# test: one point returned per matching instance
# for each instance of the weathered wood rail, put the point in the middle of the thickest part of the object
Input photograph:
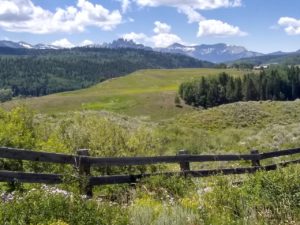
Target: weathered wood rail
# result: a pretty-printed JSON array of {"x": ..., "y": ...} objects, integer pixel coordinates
[{"x": 84, "y": 162}]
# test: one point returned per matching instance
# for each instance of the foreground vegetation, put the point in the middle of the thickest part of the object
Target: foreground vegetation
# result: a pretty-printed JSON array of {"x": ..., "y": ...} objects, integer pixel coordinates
[{"x": 264, "y": 198}]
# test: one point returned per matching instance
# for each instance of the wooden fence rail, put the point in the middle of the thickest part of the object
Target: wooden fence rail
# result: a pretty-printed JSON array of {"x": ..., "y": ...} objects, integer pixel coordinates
[{"x": 84, "y": 162}]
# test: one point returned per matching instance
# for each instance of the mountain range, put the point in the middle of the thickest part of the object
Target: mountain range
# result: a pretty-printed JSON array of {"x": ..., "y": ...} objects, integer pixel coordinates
[
  {"x": 22, "y": 44},
  {"x": 216, "y": 53}
]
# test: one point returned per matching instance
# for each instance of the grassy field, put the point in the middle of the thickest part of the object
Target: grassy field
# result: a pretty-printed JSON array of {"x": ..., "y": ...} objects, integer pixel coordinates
[{"x": 146, "y": 93}]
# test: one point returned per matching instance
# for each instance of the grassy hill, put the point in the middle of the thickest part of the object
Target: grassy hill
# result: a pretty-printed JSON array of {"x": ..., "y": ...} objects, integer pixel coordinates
[{"x": 147, "y": 93}]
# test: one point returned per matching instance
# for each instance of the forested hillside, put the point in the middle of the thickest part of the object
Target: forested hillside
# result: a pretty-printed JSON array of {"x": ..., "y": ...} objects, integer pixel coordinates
[{"x": 39, "y": 72}]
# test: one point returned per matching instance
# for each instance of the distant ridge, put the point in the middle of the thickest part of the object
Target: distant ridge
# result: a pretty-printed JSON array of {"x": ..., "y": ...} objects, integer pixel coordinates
[
  {"x": 24, "y": 45},
  {"x": 216, "y": 53},
  {"x": 292, "y": 58}
]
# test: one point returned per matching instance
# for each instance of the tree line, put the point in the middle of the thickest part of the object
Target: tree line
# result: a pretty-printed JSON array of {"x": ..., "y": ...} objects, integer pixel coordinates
[{"x": 270, "y": 84}]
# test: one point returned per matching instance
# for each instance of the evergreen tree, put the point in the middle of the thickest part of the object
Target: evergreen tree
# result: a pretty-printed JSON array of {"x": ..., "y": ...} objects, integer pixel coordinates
[
  {"x": 230, "y": 90},
  {"x": 5, "y": 95},
  {"x": 238, "y": 89}
]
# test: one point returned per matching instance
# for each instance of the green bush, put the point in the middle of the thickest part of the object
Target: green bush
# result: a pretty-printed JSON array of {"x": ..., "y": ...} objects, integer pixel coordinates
[
  {"x": 266, "y": 197},
  {"x": 40, "y": 207},
  {"x": 5, "y": 95}
]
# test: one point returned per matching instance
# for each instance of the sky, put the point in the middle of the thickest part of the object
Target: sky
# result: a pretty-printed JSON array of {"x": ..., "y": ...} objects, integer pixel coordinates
[{"x": 259, "y": 25}]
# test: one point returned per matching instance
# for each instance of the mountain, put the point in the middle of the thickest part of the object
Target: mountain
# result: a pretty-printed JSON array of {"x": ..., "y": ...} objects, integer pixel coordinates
[
  {"x": 123, "y": 43},
  {"x": 11, "y": 44},
  {"x": 278, "y": 53},
  {"x": 119, "y": 43},
  {"x": 214, "y": 53},
  {"x": 292, "y": 58},
  {"x": 45, "y": 46},
  {"x": 24, "y": 45}
]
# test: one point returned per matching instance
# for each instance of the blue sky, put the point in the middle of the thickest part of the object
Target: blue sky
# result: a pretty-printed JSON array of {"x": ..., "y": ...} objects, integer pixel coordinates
[{"x": 259, "y": 25}]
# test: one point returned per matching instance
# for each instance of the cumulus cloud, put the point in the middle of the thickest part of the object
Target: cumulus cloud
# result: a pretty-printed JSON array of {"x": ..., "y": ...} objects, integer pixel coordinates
[
  {"x": 136, "y": 37},
  {"x": 291, "y": 25},
  {"x": 25, "y": 16},
  {"x": 218, "y": 28},
  {"x": 190, "y": 7},
  {"x": 162, "y": 36},
  {"x": 161, "y": 27},
  {"x": 165, "y": 39},
  {"x": 63, "y": 43},
  {"x": 86, "y": 43}
]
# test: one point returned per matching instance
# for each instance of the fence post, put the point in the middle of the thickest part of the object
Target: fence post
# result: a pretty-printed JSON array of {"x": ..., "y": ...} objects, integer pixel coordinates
[
  {"x": 84, "y": 173},
  {"x": 255, "y": 162},
  {"x": 184, "y": 166}
]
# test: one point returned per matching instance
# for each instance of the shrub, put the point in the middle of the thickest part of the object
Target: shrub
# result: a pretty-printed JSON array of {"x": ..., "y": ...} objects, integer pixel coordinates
[
  {"x": 167, "y": 187},
  {"x": 5, "y": 95},
  {"x": 40, "y": 207}
]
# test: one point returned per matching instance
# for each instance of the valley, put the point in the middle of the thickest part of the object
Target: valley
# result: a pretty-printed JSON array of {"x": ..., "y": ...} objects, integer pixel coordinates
[{"x": 149, "y": 112}]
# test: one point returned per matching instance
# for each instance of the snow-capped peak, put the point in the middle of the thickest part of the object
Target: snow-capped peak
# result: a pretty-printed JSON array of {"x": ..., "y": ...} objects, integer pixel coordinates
[{"x": 25, "y": 45}]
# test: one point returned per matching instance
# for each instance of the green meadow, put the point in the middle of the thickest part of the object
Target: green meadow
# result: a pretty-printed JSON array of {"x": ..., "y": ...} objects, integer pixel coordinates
[{"x": 145, "y": 93}]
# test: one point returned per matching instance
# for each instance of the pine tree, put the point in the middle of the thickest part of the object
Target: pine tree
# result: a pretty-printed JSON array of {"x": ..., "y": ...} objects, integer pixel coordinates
[
  {"x": 250, "y": 92},
  {"x": 230, "y": 90},
  {"x": 238, "y": 89}
]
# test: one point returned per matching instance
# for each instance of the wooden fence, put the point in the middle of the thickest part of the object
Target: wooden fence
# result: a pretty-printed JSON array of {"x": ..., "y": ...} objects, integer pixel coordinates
[{"x": 84, "y": 162}]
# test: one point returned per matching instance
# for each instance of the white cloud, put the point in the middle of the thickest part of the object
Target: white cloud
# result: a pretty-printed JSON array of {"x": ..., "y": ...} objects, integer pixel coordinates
[
  {"x": 218, "y": 28},
  {"x": 63, "y": 43},
  {"x": 196, "y": 4},
  {"x": 86, "y": 43},
  {"x": 190, "y": 7},
  {"x": 24, "y": 16},
  {"x": 192, "y": 14},
  {"x": 161, "y": 27},
  {"x": 131, "y": 20},
  {"x": 162, "y": 37},
  {"x": 125, "y": 4},
  {"x": 165, "y": 39},
  {"x": 136, "y": 37},
  {"x": 291, "y": 25}
]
